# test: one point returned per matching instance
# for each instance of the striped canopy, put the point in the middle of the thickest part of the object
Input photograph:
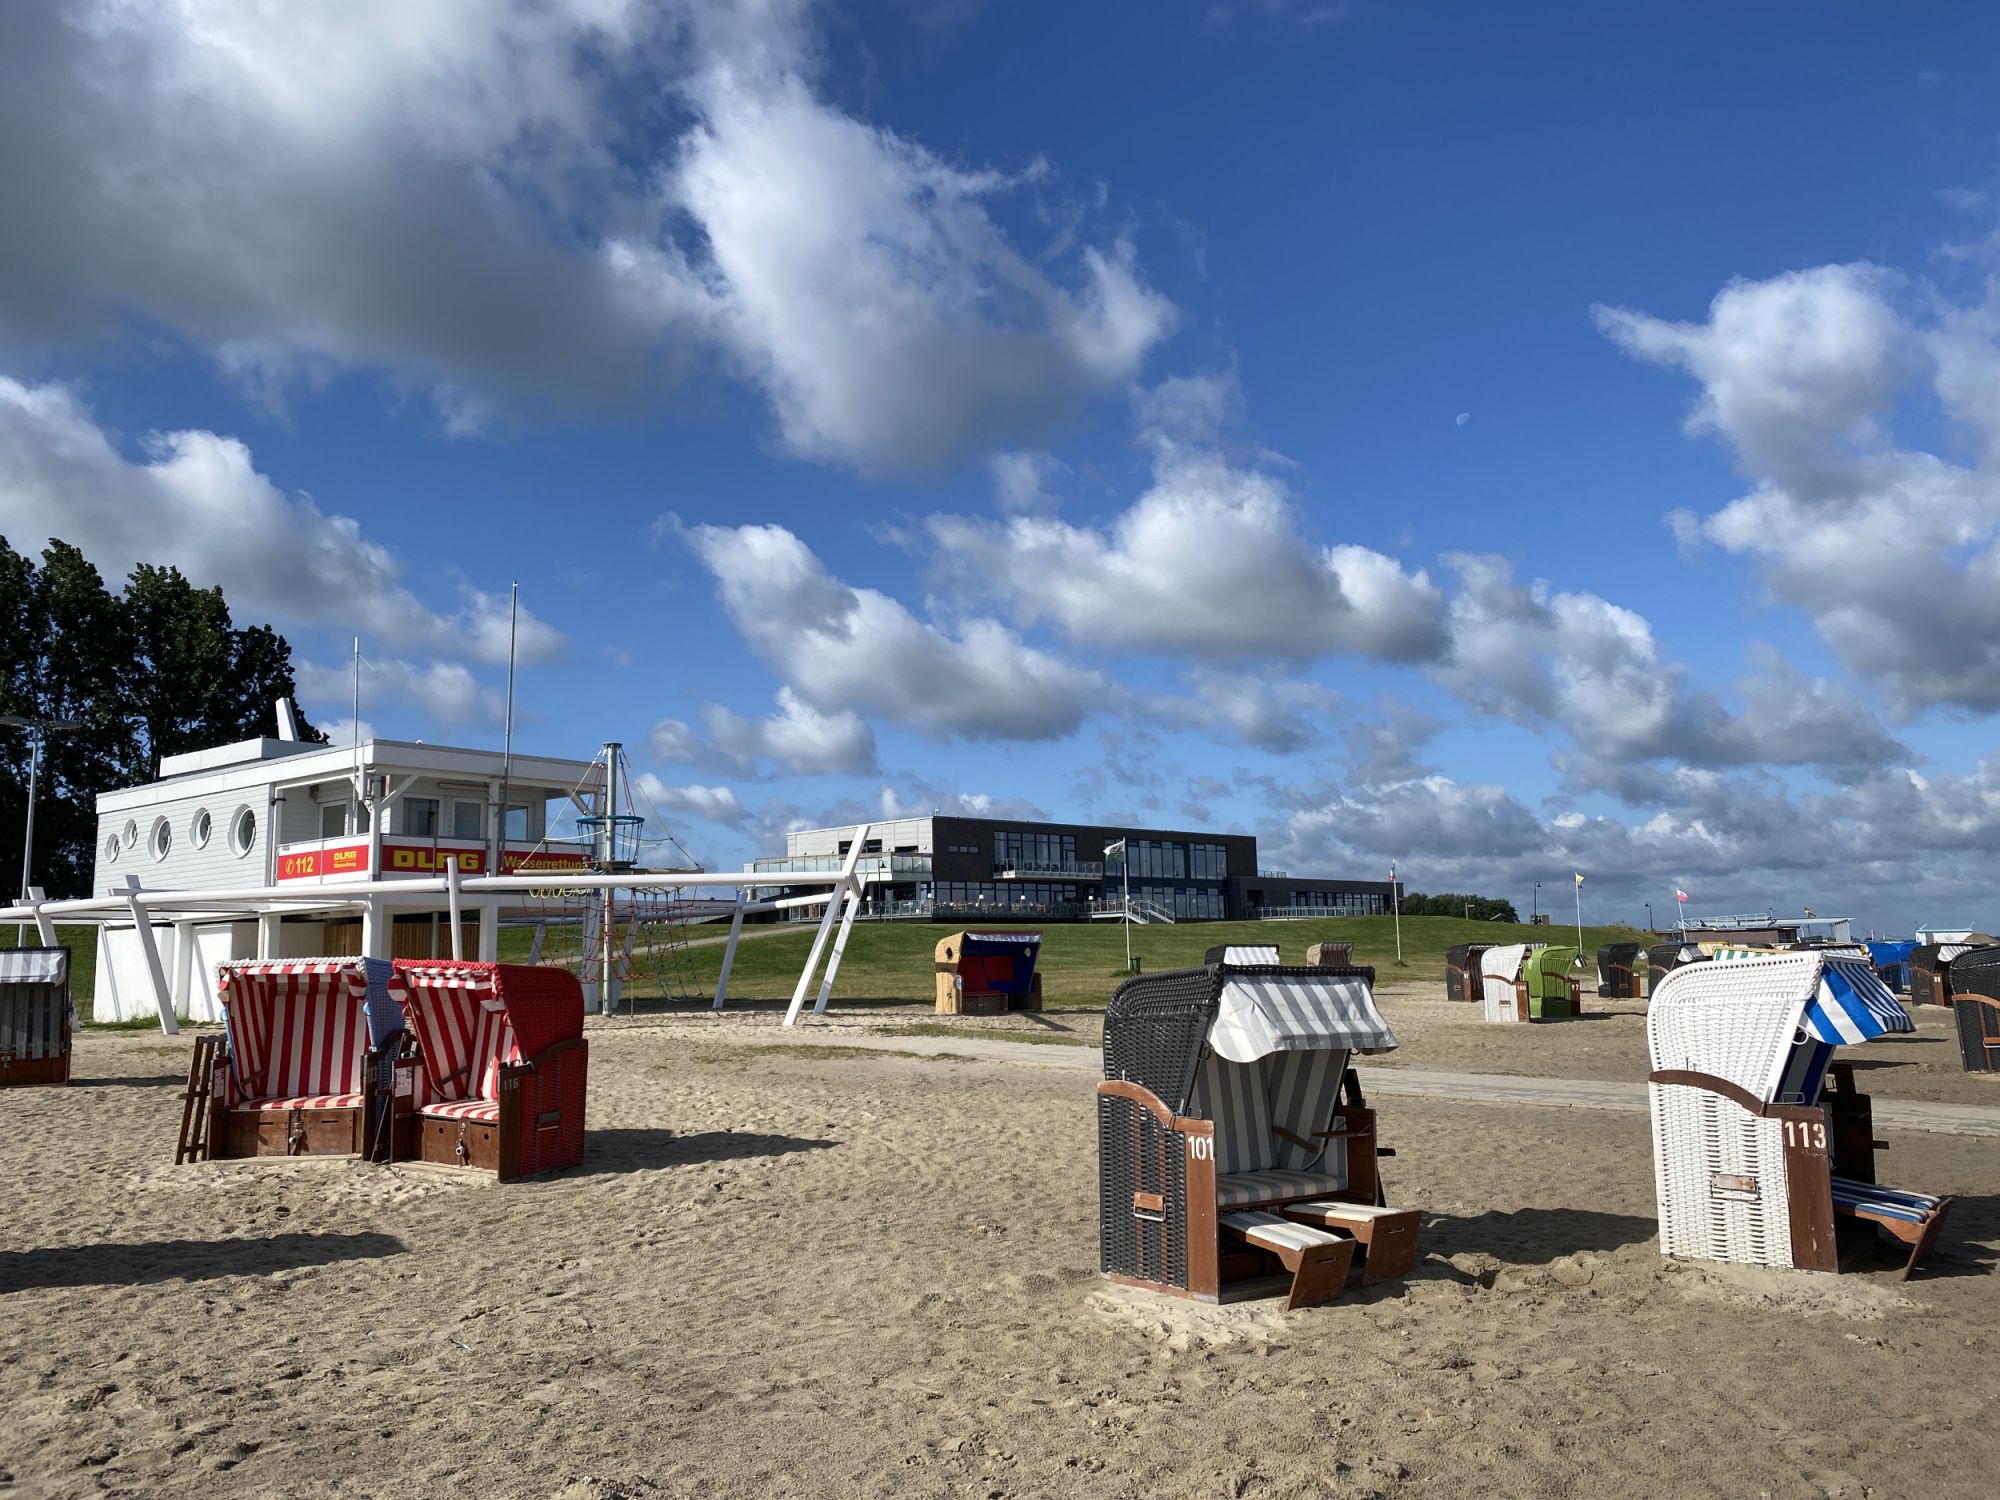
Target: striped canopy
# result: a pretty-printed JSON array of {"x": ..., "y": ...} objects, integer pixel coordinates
[
  {"x": 1852, "y": 1004},
  {"x": 1239, "y": 954},
  {"x": 1293, "y": 1010}
]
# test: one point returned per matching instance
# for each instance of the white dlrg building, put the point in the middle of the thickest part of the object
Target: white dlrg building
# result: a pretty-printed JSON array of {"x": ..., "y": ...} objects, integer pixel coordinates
[{"x": 308, "y": 819}]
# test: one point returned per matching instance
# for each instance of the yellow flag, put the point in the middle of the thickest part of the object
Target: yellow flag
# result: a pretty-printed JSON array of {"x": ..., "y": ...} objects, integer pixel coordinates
[{"x": 1579, "y": 878}]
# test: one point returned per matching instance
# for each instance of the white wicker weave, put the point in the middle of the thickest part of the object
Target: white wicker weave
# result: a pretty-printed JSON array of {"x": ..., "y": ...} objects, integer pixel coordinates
[
  {"x": 1737, "y": 1020},
  {"x": 1499, "y": 968}
]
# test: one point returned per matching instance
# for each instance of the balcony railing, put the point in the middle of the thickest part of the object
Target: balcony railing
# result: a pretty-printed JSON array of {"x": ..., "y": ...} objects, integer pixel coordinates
[
  {"x": 895, "y": 866},
  {"x": 1060, "y": 869}
]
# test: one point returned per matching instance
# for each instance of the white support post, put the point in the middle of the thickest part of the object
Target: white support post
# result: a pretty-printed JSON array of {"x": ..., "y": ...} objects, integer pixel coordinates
[
  {"x": 535, "y": 948},
  {"x": 729, "y": 950},
  {"x": 45, "y": 930},
  {"x": 162, "y": 997},
  {"x": 377, "y": 930},
  {"x": 269, "y": 927},
  {"x": 842, "y": 893},
  {"x": 489, "y": 933},
  {"x": 183, "y": 968},
  {"x": 839, "y": 948},
  {"x": 451, "y": 896}
]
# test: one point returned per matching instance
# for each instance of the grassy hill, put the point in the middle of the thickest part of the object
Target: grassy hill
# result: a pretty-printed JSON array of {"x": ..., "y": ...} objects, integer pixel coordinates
[{"x": 1081, "y": 965}]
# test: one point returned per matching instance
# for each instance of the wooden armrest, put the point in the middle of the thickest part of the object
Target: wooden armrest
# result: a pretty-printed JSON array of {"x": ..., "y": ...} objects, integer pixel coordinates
[
  {"x": 1385, "y": 1150},
  {"x": 1297, "y": 1140}
]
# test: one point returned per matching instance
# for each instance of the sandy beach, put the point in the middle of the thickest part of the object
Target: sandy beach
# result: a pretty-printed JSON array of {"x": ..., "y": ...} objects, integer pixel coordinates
[{"x": 795, "y": 1266}]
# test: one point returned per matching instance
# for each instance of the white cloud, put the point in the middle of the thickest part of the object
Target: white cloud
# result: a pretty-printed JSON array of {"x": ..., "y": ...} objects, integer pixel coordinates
[
  {"x": 798, "y": 738},
  {"x": 840, "y": 648},
  {"x": 1577, "y": 662},
  {"x": 860, "y": 281},
  {"x": 196, "y": 501},
  {"x": 1023, "y": 480},
  {"x": 463, "y": 194},
  {"x": 1281, "y": 715},
  {"x": 1893, "y": 552},
  {"x": 349, "y": 731},
  {"x": 445, "y": 691},
  {"x": 1208, "y": 561},
  {"x": 712, "y": 804}
]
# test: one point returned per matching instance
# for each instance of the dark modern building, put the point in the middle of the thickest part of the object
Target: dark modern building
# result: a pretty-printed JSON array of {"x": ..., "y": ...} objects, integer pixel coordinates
[{"x": 959, "y": 869}]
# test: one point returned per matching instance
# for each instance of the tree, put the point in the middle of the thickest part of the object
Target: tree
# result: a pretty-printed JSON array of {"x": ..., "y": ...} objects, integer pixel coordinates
[
  {"x": 149, "y": 673},
  {"x": 1453, "y": 904}
]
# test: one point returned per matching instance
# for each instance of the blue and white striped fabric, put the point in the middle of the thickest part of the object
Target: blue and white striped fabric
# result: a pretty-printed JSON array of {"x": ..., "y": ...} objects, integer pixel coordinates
[
  {"x": 1853, "y": 1005},
  {"x": 1891, "y": 1203}
]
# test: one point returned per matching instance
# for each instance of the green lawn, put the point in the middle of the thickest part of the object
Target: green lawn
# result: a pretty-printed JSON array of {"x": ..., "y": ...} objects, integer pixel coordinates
[
  {"x": 82, "y": 945},
  {"x": 1080, "y": 965}
]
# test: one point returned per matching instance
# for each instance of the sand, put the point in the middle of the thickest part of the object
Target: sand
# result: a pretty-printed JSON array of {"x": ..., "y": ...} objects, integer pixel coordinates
[{"x": 793, "y": 1267}]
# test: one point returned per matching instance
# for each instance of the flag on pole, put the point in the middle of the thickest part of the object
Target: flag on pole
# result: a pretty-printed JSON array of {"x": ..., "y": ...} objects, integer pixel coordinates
[
  {"x": 1117, "y": 849},
  {"x": 1680, "y": 896},
  {"x": 1579, "y": 877}
]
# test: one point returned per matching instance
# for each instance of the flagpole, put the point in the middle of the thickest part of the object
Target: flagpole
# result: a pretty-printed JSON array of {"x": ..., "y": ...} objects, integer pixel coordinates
[
  {"x": 1396, "y": 905},
  {"x": 1579, "y": 919}
]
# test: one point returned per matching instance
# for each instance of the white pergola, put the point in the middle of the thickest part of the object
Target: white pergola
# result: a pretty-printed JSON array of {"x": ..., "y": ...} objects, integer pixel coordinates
[{"x": 375, "y": 900}]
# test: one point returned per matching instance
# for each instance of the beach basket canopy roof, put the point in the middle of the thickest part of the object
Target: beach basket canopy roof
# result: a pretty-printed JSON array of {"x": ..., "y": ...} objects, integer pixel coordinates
[
  {"x": 1265, "y": 954},
  {"x": 1743, "y": 1020},
  {"x": 1272, "y": 1009},
  {"x": 34, "y": 965}
]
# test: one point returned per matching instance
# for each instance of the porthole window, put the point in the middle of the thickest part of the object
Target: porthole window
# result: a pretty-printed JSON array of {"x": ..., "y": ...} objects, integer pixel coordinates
[
  {"x": 161, "y": 840},
  {"x": 131, "y": 832},
  {"x": 201, "y": 828},
  {"x": 111, "y": 849},
  {"x": 243, "y": 831}
]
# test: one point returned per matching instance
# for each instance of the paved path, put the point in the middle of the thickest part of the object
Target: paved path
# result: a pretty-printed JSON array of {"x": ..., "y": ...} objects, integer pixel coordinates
[{"x": 1470, "y": 1088}]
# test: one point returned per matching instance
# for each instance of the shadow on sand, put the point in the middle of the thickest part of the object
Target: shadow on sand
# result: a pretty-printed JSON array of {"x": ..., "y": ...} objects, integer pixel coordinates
[
  {"x": 144, "y": 1262},
  {"x": 607, "y": 1151},
  {"x": 1535, "y": 1236}
]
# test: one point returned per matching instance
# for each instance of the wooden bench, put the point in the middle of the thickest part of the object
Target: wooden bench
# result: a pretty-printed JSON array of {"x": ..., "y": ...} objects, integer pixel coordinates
[
  {"x": 1387, "y": 1236},
  {"x": 1318, "y": 1261}
]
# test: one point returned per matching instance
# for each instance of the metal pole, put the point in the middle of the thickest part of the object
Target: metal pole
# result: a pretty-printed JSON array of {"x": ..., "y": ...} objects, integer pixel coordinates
[
  {"x": 1125, "y": 878},
  {"x": 28, "y": 843},
  {"x": 451, "y": 897},
  {"x": 607, "y": 927},
  {"x": 729, "y": 951},
  {"x": 1396, "y": 904},
  {"x": 1579, "y": 921},
  {"x": 507, "y": 740}
]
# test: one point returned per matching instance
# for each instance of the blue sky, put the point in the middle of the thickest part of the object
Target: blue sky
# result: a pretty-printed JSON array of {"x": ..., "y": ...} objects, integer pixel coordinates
[{"x": 1505, "y": 439}]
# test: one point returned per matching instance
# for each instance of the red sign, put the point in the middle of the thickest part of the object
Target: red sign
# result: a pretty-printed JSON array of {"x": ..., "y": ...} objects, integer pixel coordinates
[
  {"x": 311, "y": 864},
  {"x": 417, "y": 859}
]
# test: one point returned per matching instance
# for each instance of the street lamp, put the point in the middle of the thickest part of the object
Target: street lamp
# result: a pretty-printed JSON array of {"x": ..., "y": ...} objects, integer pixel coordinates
[
  {"x": 1535, "y": 904},
  {"x": 38, "y": 730},
  {"x": 1649, "y": 916}
]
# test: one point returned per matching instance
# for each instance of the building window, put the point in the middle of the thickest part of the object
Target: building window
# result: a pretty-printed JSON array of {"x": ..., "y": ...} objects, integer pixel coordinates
[
  {"x": 333, "y": 820},
  {"x": 161, "y": 840},
  {"x": 111, "y": 849},
  {"x": 468, "y": 820},
  {"x": 243, "y": 831},
  {"x": 131, "y": 832},
  {"x": 517, "y": 822},
  {"x": 420, "y": 816},
  {"x": 201, "y": 828}
]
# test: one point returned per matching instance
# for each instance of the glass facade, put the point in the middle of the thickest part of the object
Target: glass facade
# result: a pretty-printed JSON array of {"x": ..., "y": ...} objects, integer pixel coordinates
[
  {"x": 1028, "y": 898},
  {"x": 1011, "y": 850}
]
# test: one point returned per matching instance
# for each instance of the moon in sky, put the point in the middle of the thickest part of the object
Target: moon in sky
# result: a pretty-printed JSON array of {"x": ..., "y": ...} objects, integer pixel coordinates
[{"x": 1464, "y": 417}]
